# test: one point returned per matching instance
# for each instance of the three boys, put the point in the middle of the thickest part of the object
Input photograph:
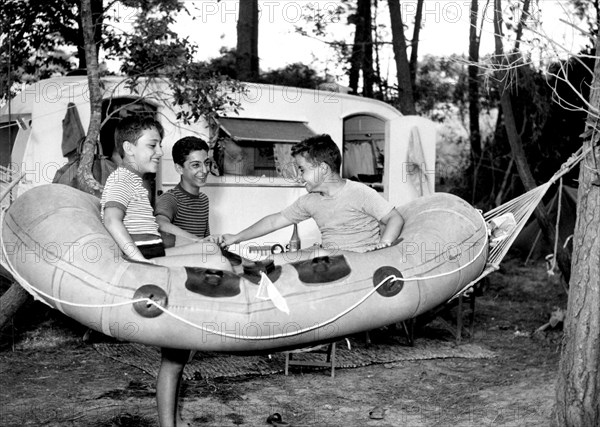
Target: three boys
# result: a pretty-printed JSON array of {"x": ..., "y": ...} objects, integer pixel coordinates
[{"x": 348, "y": 214}]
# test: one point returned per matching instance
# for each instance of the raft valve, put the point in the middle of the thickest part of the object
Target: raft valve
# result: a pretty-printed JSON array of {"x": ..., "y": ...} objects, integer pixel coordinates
[{"x": 151, "y": 292}]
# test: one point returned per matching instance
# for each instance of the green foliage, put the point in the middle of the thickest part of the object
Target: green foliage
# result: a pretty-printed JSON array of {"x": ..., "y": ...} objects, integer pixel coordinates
[
  {"x": 41, "y": 39},
  {"x": 224, "y": 65},
  {"x": 34, "y": 36},
  {"x": 297, "y": 75},
  {"x": 588, "y": 11},
  {"x": 155, "y": 51},
  {"x": 567, "y": 114},
  {"x": 316, "y": 22},
  {"x": 201, "y": 93},
  {"x": 153, "y": 48},
  {"x": 440, "y": 84}
]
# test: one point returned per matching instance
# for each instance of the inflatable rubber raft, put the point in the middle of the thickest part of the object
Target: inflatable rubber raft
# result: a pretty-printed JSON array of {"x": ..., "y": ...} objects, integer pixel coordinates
[{"x": 58, "y": 249}]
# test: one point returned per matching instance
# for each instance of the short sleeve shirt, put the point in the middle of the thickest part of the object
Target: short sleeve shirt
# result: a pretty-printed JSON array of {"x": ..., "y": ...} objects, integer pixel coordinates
[
  {"x": 348, "y": 220},
  {"x": 125, "y": 190},
  {"x": 185, "y": 210}
]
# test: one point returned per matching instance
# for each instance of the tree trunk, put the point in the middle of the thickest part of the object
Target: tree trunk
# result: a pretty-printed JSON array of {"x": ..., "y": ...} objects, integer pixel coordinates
[
  {"x": 414, "y": 45},
  {"x": 383, "y": 89},
  {"x": 10, "y": 302},
  {"x": 358, "y": 51},
  {"x": 522, "y": 23},
  {"x": 97, "y": 18},
  {"x": 364, "y": 10},
  {"x": 86, "y": 180},
  {"x": 475, "y": 132},
  {"x": 578, "y": 386},
  {"x": 516, "y": 146},
  {"x": 405, "y": 91},
  {"x": 247, "y": 41}
]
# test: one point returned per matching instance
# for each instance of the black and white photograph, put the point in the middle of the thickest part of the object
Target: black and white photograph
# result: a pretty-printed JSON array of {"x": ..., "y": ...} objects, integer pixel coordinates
[{"x": 300, "y": 213}]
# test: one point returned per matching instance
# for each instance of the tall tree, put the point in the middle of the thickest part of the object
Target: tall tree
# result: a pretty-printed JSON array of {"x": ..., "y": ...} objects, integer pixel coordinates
[
  {"x": 406, "y": 101},
  {"x": 578, "y": 385},
  {"x": 361, "y": 58},
  {"x": 247, "y": 41},
  {"x": 97, "y": 13},
  {"x": 505, "y": 63},
  {"x": 414, "y": 45},
  {"x": 475, "y": 132},
  {"x": 85, "y": 178}
]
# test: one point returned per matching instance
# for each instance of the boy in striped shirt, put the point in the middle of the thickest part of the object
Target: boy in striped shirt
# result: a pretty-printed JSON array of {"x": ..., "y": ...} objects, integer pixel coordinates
[
  {"x": 127, "y": 214},
  {"x": 183, "y": 210}
]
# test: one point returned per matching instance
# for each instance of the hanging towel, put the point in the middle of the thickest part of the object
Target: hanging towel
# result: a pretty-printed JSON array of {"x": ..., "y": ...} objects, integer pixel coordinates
[
  {"x": 72, "y": 130},
  {"x": 417, "y": 169}
]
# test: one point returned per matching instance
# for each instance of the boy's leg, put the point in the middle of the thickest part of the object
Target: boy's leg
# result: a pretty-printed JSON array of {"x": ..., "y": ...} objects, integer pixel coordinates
[{"x": 167, "y": 386}]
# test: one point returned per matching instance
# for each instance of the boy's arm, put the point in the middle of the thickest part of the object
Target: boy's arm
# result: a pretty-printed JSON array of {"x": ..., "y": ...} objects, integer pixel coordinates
[
  {"x": 263, "y": 226},
  {"x": 113, "y": 221},
  {"x": 393, "y": 223},
  {"x": 165, "y": 224},
  {"x": 166, "y": 210}
]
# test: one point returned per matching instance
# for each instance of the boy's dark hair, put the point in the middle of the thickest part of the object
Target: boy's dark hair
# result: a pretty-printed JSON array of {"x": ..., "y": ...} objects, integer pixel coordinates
[
  {"x": 130, "y": 129},
  {"x": 184, "y": 146},
  {"x": 319, "y": 148}
]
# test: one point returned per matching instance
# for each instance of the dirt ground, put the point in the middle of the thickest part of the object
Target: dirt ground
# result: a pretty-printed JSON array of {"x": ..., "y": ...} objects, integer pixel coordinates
[{"x": 50, "y": 377}]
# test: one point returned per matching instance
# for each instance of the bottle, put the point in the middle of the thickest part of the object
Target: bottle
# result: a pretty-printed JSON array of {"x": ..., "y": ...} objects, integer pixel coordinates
[{"x": 295, "y": 240}]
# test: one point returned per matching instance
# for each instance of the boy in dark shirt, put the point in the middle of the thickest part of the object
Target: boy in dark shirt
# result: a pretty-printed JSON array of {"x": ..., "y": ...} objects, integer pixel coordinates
[{"x": 182, "y": 212}]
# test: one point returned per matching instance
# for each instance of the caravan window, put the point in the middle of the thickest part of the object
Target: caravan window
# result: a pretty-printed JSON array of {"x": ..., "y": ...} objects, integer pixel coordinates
[{"x": 256, "y": 147}]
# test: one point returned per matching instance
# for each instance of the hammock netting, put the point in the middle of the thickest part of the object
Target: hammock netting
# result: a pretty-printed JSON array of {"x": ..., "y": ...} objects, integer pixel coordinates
[{"x": 518, "y": 210}]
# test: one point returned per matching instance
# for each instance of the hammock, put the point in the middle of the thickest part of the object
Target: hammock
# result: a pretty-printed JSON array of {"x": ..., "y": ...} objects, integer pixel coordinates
[{"x": 511, "y": 217}]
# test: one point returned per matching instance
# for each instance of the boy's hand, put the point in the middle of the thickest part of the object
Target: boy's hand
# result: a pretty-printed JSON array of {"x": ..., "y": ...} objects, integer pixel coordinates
[
  {"x": 211, "y": 239},
  {"x": 226, "y": 239}
]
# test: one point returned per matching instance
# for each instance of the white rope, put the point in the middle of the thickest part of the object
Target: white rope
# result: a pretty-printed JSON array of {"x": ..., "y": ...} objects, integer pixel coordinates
[
  {"x": 571, "y": 163},
  {"x": 12, "y": 184},
  {"x": 556, "y": 230}
]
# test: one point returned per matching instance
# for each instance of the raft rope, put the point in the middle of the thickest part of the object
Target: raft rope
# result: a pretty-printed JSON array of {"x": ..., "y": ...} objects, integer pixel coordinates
[
  {"x": 522, "y": 207},
  {"x": 11, "y": 185},
  {"x": 552, "y": 265}
]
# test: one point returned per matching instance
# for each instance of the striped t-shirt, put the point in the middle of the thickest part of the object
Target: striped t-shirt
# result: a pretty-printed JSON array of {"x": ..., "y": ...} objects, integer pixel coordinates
[
  {"x": 185, "y": 210},
  {"x": 125, "y": 190}
]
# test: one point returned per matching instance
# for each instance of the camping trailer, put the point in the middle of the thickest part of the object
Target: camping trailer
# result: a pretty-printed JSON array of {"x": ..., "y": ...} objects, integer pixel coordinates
[{"x": 394, "y": 154}]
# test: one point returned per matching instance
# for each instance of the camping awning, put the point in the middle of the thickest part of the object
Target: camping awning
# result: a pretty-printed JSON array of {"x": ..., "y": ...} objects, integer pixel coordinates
[{"x": 276, "y": 131}]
